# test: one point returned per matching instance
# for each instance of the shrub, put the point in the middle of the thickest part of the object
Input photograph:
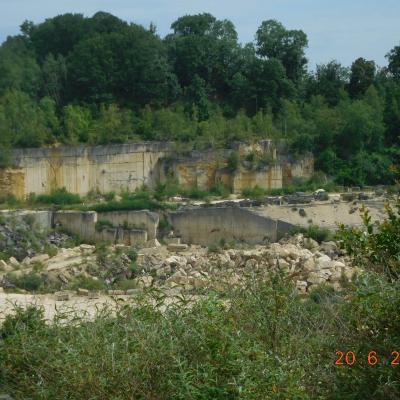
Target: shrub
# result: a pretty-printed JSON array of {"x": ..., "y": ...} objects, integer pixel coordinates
[
  {"x": 110, "y": 196},
  {"x": 57, "y": 197},
  {"x": 30, "y": 281},
  {"x": 219, "y": 189},
  {"x": 85, "y": 282},
  {"x": 50, "y": 249},
  {"x": 254, "y": 193},
  {"x": 261, "y": 341},
  {"x": 103, "y": 223},
  {"x": 314, "y": 232},
  {"x": 195, "y": 193},
  {"x": 233, "y": 161},
  {"x": 375, "y": 246}
]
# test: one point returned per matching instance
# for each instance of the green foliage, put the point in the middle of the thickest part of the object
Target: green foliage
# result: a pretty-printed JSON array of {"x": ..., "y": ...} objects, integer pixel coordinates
[
  {"x": 254, "y": 193},
  {"x": 25, "y": 320},
  {"x": 315, "y": 232},
  {"x": 86, "y": 282},
  {"x": 233, "y": 161},
  {"x": 30, "y": 281},
  {"x": 57, "y": 197},
  {"x": 103, "y": 223},
  {"x": 74, "y": 79},
  {"x": 287, "y": 46},
  {"x": 375, "y": 246},
  {"x": 259, "y": 342}
]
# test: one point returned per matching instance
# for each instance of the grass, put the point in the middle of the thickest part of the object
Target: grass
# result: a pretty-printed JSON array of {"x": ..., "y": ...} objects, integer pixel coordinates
[
  {"x": 84, "y": 282},
  {"x": 31, "y": 281},
  {"x": 58, "y": 197},
  {"x": 314, "y": 232},
  {"x": 259, "y": 342}
]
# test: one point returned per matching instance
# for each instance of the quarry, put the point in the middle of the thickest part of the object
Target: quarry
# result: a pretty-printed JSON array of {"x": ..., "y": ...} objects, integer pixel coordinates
[{"x": 197, "y": 247}]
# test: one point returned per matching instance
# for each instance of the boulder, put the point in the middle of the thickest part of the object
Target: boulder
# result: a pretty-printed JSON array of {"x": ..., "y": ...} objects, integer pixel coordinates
[
  {"x": 140, "y": 259},
  {"x": 329, "y": 248},
  {"x": 87, "y": 248},
  {"x": 324, "y": 262},
  {"x": 178, "y": 278},
  {"x": 302, "y": 212},
  {"x": 93, "y": 294},
  {"x": 176, "y": 261},
  {"x": 301, "y": 286},
  {"x": 162, "y": 272},
  {"x": 62, "y": 296},
  {"x": 5, "y": 267},
  {"x": 41, "y": 258},
  {"x": 251, "y": 264},
  {"x": 13, "y": 262},
  {"x": 310, "y": 244},
  {"x": 144, "y": 281},
  {"x": 309, "y": 265},
  {"x": 82, "y": 292},
  {"x": 117, "y": 292},
  {"x": 177, "y": 247},
  {"x": 318, "y": 277}
]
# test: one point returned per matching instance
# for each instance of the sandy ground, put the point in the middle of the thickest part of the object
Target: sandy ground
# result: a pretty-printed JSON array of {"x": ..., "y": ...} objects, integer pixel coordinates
[
  {"x": 77, "y": 305},
  {"x": 82, "y": 306},
  {"x": 323, "y": 213}
]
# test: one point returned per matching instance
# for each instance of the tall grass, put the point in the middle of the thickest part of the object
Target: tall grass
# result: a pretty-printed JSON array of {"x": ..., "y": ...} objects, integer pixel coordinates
[{"x": 259, "y": 342}]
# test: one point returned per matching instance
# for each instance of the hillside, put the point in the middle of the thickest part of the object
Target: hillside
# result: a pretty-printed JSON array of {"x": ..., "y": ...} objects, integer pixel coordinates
[{"x": 73, "y": 79}]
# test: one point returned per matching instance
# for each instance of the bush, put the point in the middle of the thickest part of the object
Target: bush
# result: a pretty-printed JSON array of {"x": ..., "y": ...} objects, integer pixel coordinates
[
  {"x": 375, "y": 246},
  {"x": 254, "y": 193},
  {"x": 30, "y": 281},
  {"x": 260, "y": 342},
  {"x": 219, "y": 189},
  {"x": 57, "y": 197},
  {"x": 85, "y": 282},
  {"x": 233, "y": 161},
  {"x": 101, "y": 224},
  {"x": 314, "y": 232}
]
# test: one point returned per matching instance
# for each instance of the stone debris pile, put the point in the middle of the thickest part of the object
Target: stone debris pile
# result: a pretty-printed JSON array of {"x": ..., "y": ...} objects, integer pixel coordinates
[{"x": 188, "y": 268}]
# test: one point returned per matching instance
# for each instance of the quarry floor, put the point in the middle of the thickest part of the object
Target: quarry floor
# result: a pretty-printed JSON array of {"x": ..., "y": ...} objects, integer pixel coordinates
[{"x": 323, "y": 214}]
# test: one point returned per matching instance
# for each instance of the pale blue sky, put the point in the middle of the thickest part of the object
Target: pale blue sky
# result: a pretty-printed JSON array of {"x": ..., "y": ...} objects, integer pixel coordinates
[{"x": 337, "y": 29}]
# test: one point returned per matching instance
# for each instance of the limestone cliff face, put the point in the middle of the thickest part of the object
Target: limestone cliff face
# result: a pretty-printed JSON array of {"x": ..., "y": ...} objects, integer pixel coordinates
[{"x": 118, "y": 167}]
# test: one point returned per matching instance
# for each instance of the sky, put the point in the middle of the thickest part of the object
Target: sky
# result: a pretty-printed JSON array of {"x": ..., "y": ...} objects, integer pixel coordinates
[{"x": 337, "y": 29}]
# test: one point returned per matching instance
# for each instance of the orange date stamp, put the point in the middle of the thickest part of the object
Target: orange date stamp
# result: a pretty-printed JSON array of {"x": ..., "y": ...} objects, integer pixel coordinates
[{"x": 349, "y": 358}]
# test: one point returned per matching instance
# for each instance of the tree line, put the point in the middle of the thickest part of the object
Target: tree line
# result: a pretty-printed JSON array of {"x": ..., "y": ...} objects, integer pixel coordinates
[{"x": 73, "y": 79}]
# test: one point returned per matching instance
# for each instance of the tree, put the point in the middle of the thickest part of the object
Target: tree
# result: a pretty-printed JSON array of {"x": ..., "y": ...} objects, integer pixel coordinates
[
  {"x": 112, "y": 125},
  {"x": 205, "y": 47},
  {"x": 128, "y": 67},
  {"x": 23, "y": 121},
  {"x": 259, "y": 83},
  {"x": 77, "y": 124},
  {"x": 54, "y": 77},
  {"x": 329, "y": 81},
  {"x": 273, "y": 40},
  {"x": 198, "y": 105},
  {"x": 394, "y": 62},
  {"x": 56, "y": 35},
  {"x": 362, "y": 76},
  {"x": 18, "y": 67}
]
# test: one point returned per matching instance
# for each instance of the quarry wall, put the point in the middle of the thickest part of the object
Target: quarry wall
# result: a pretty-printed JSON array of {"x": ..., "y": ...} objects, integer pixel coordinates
[
  {"x": 81, "y": 169},
  {"x": 119, "y": 167},
  {"x": 194, "y": 226},
  {"x": 126, "y": 227},
  {"x": 208, "y": 225}
]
